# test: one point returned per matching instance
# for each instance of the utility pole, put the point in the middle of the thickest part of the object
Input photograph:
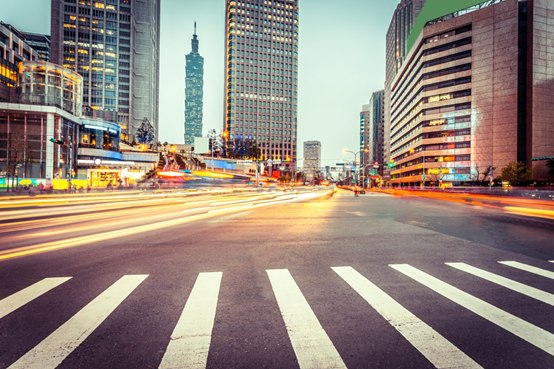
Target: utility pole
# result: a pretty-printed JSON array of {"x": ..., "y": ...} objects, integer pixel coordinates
[{"x": 490, "y": 175}]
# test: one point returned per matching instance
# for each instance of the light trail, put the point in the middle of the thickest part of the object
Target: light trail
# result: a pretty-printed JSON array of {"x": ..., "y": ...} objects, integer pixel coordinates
[
  {"x": 205, "y": 213},
  {"x": 106, "y": 205},
  {"x": 510, "y": 205}
]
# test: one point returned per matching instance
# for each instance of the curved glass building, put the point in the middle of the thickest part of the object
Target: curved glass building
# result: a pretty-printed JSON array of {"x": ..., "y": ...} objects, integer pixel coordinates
[{"x": 52, "y": 85}]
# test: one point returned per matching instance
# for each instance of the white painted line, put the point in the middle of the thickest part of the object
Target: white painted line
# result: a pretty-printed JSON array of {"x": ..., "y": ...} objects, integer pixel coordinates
[
  {"x": 519, "y": 327},
  {"x": 57, "y": 346},
  {"x": 529, "y": 268},
  {"x": 437, "y": 349},
  {"x": 18, "y": 299},
  {"x": 310, "y": 342},
  {"x": 533, "y": 292},
  {"x": 190, "y": 340}
]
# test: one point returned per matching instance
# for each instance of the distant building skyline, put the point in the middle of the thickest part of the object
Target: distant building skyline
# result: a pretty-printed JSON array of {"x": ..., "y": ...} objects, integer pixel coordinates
[
  {"x": 261, "y": 76},
  {"x": 194, "y": 91}
]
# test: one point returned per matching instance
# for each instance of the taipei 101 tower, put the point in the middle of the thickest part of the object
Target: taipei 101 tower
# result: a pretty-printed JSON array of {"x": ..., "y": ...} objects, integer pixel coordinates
[{"x": 194, "y": 84}]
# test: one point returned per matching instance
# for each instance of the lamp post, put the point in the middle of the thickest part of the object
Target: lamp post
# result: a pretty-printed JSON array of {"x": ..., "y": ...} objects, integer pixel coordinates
[{"x": 356, "y": 161}]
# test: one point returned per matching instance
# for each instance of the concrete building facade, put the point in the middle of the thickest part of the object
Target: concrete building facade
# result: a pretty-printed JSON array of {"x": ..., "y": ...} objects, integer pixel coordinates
[
  {"x": 312, "y": 158},
  {"x": 41, "y": 43},
  {"x": 364, "y": 133},
  {"x": 13, "y": 50},
  {"x": 402, "y": 22},
  {"x": 194, "y": 92},
  {"x": 376, "y": 129},
  {"x": 472, "y": 93},
  {"x": 261, "y": 76},
  {"x": 115, "y": 46}
]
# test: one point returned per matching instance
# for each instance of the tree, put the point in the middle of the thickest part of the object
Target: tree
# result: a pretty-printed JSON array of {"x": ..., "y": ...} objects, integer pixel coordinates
[
  {"x": 515, "y": 173},
  {"x": 134, "y": 142},
  {"x": 481, "y": 174},
  {"x": 300, "y": 177},
  {"x": 216, "y": 139},
  {"x": 550, "y": 165},
  {"x": 19, "y": 153},
  {"x": 434, "y": 176},
  {"x": 145, "y": 133}
]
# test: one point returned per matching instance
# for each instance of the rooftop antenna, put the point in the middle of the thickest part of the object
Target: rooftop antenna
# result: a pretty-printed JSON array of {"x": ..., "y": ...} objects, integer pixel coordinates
[{"x": 194, "y": 27}]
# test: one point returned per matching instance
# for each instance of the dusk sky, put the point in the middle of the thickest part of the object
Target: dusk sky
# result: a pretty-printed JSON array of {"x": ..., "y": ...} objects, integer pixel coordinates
[{"x": 341, "y": 62}]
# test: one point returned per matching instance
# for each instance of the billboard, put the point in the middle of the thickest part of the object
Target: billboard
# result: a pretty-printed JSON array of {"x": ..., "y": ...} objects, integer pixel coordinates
[{"x": 201, "y": 145}]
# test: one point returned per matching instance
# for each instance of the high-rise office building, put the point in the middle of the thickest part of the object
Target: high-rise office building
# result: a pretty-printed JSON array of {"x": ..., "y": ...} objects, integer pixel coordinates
[
  {"x": 375, "y": 129},
  {"x": 312, "y": 158},
  {"x": 403, "y": 19},
  {"x": 261, "y": 76},
  {"x": 41, "y": 43},
  {"x": 473, "y": 93},
  {"x": 115, "y": 46},
  {"x": 194, "y": 87},
  {"x": 364, "y": 134}
]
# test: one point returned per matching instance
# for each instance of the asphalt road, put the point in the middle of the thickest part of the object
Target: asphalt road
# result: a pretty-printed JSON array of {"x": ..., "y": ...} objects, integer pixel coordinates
[{"x": 322, "y": 282}]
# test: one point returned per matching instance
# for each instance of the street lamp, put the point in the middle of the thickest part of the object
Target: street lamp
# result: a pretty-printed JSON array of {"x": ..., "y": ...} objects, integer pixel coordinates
[{"x": 356, "y": 161}]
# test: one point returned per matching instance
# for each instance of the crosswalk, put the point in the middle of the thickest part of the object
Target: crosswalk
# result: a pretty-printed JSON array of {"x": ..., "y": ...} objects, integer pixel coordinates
[{"x": 189, "y": 344}]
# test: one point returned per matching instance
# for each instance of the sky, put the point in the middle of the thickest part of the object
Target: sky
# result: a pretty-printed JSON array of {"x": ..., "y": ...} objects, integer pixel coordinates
[{"x": 341, "y": 63}]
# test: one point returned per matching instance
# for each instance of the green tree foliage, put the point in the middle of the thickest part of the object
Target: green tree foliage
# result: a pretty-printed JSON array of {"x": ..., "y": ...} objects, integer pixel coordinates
[
  {"x": 145, "y": 133},
  {"x": 516, "y": 173}
]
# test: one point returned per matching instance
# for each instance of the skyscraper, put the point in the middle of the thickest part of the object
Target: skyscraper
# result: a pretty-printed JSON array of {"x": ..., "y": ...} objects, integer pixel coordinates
[
  {"x": 115, "y": 46},
  {"x": 401, "y": 24},
  {"x": 194, "y": 84},
  {"x": 261, "y": 76},
  {"x": 375, "y": 128}
]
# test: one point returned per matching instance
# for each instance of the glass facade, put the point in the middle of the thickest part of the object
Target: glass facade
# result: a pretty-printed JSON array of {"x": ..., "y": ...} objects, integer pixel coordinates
[
  {"x": 95, "y": 39},
  {"x": 194, "y": 87},
  {"x": 48, "y": 84},
  {"x": 261, "y": 75}
]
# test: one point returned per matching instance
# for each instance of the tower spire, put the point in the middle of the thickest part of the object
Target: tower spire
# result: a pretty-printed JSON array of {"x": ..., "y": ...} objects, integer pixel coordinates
[{"x": 195, "y": 41}]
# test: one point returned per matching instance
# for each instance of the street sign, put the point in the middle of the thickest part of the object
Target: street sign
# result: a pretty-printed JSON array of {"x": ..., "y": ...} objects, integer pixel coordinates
[
  {"x": 281, "y": 168},
  {"x": 372, "y": 172},
  {"x": 269, "y": 162},
  {"x": 424, "y": 176},
  {"x": 340, "y": 164},
  {"x": 277, "y": 161}
]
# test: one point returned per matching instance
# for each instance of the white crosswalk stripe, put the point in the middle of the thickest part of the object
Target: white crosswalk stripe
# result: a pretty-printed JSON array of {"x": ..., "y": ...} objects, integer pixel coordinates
[
  {"x": 56, "y": 347},
  {"x": 18, "y": 299},
  {"x": 189, "y": 344},
  {"x": 439, "y": 351},
  {"x": 310, "y": 342},
  {"x": 529, "y": 268},
  {"x": 506, "y": 282},
  {"x": 519, "y": 327},
  {"x": 190, "y": 341}
]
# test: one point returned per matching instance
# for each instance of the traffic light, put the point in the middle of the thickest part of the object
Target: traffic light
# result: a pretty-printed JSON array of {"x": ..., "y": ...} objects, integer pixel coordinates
[
  {"x": 59, "y": 142},
  {"x": 73, "y": 175},
  {"x": 391, "y": 164}
]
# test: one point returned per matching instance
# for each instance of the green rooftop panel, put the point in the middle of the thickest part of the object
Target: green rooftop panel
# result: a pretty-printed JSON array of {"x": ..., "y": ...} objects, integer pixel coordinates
[{"x": 434, "y": 9}]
